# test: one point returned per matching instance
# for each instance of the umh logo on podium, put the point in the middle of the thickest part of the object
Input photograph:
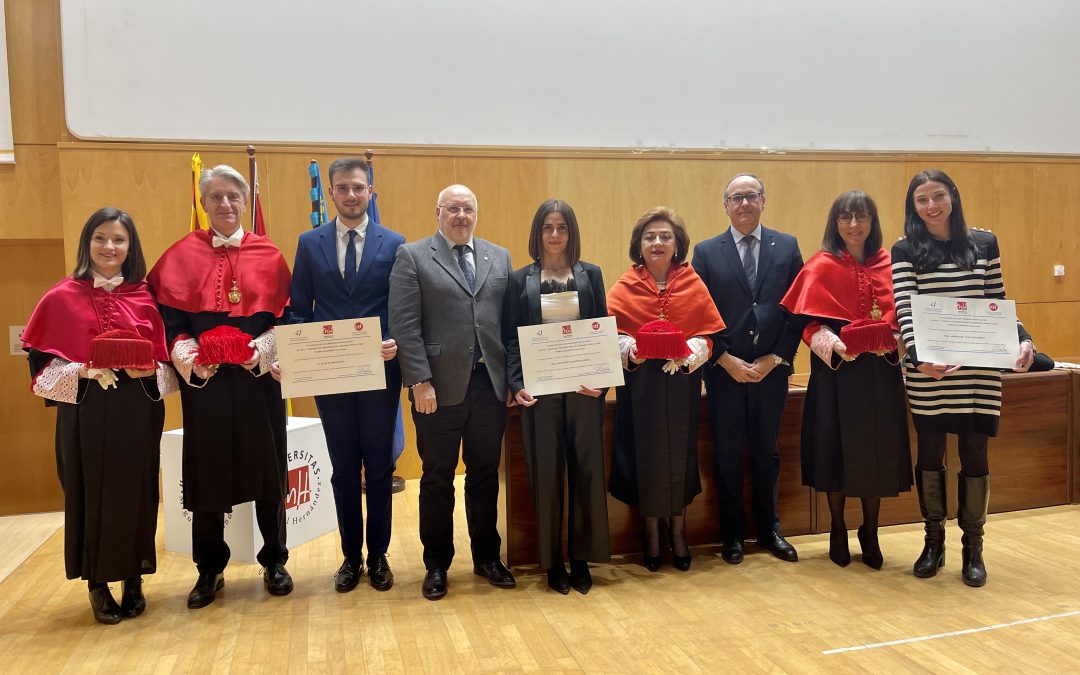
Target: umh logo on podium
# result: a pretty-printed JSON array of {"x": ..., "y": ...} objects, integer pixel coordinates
[{"x": 309, "y": 502}]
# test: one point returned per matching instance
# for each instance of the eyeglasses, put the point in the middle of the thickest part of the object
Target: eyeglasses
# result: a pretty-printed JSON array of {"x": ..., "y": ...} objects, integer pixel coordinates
[
  {"x": 221, "y": 198},
  {"x": 350, "y": 189},
  {"x": 454, "y": 209},
  {"x": 752, "y": 197},
  {"x": 664, "y": 237},
  {"x": 861, "y": 217}
]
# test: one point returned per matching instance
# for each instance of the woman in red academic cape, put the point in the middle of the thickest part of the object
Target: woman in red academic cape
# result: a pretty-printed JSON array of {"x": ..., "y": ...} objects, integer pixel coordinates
[
  {"x": 664, "y": 314},
  {"x": 221, "y": 291},
  {"x": 854, "y": 430},
  {"x": 97, "y": 352}
]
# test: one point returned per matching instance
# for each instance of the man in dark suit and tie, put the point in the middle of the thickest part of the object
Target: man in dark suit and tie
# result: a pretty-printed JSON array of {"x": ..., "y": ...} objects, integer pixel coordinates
[
  {"x": 748, "y": 269},
  {"x": 446, "y": 295},
  {"x": 342, "y": 271}
]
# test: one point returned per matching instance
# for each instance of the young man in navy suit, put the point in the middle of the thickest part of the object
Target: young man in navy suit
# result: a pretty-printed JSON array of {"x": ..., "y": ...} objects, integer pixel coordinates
[
  {"x": 748, "y": 269},
  {"x": 342, "y": 271}
]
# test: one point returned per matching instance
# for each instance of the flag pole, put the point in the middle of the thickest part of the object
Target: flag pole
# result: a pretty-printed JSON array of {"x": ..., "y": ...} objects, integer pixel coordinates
[{"x": 253, "y": 182}]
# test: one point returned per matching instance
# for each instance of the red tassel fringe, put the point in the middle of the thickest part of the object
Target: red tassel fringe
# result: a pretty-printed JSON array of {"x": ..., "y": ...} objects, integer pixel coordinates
[
  {"x": 661, "y": 339},
  {"x": 224, "y": 344},
  {"x": 867, "y": 335},
  {"x": 121, "y": 348}
]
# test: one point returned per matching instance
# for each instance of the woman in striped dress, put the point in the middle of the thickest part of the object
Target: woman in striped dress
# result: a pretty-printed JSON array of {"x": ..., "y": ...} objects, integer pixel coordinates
[{"x": 940, "y": 255}]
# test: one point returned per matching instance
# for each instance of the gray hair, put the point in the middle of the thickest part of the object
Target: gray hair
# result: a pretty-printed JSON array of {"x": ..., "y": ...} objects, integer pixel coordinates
[
  {"x": 743, "y": 175},
  {"x": 457, "y": 188},
  {"x": 224, "y": 171}
]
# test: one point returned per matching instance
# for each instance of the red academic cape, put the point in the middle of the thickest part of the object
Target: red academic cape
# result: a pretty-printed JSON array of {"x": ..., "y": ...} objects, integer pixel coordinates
[
  {"x": 193, "y": 276},
  {"x": 635, "y": 300},
  {"x": 831, "y": 286},
  {"x": 65, "y": 321}
]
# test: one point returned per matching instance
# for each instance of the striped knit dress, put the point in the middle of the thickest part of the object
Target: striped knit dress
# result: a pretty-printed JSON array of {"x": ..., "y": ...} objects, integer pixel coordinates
[{"x": 968, "y": 400}]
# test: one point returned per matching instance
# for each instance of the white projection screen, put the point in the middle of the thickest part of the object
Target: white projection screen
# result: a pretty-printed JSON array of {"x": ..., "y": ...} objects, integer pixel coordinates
[{"x": 954, "y": 75}]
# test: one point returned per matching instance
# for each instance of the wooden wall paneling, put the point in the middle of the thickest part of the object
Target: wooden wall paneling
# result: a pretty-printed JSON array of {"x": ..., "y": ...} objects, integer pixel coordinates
[
  {"x": 1052, "y": 235},
  {"x": 29, "y": 194},
  {"x": 28, "y": 483},
  {"x": 1055, "y": 327},
  {"x": 35, "y": 72},
  {"x": 1074, "y": 437}
]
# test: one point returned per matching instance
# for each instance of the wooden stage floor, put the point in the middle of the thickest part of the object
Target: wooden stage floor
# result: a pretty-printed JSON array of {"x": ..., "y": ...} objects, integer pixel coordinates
[{"x": 762, "y": 616}]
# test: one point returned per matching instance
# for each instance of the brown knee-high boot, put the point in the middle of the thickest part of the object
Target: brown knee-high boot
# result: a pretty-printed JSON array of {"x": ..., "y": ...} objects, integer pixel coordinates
[
  {"x": 931, "y": 488},
  {"x": 974, "y": 497}
]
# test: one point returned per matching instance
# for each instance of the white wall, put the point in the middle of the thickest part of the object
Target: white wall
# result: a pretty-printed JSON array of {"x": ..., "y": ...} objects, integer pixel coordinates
[{"x": 964, "y": 75}]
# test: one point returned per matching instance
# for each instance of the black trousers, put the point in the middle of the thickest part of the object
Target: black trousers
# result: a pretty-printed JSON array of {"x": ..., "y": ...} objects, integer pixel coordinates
[
  {"x": 753, "y": 412},
  {"x": 210, "y": 551},
  {"x": 563, "y": 439},
  {"x": 359, "y": 429},
  {"x": 476, "y": 426}
]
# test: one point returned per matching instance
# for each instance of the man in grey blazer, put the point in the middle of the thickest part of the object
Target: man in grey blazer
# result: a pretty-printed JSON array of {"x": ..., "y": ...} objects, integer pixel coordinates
[{"x": 446, "y": 295}]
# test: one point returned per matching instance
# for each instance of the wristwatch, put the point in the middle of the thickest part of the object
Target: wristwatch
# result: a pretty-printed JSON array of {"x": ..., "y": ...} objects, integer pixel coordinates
[{"x": 777, "y": 361}]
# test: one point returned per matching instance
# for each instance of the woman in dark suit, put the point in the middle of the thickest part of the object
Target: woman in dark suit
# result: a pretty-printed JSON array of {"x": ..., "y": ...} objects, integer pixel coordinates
[{"x": 562, "y": 433}]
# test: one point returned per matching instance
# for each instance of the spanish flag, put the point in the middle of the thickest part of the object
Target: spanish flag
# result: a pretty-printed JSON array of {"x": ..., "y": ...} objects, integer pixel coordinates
[{"x": 199, "y": 220}]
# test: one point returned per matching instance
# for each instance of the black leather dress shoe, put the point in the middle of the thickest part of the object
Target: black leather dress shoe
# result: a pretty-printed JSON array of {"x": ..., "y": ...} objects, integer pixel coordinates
[
  {"x": 348, "y": 576},
  {"x": 434, "y": 584},
  {"x": 775, "y": 543},
  {"x": 379, "y": 574},
  {"x": 277, "y": 580},
  {"x": 205, "y": 589},
  {"x": 132, "y": 602},
  {"x": 732, "y": 552},
  {"x": 496, "y": 573},
  {"x": 580, "y": 578},
  {"x": 105, "y": 609}
]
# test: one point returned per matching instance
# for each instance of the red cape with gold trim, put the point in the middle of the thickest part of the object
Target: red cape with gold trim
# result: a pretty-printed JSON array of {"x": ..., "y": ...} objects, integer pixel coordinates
[
  {"x": 634, "y": 301},
  {"x": 65, "y": 321},
  {"x": 837, "y": 287},
  {"x": 193, "y": 276}
]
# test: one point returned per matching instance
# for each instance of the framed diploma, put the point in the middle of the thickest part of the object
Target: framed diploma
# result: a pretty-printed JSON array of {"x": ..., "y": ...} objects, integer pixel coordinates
[
  {"x": 559, "y": 358},
  {"x": 330, "y": 357},
  {"x": 965, "y": 331}
]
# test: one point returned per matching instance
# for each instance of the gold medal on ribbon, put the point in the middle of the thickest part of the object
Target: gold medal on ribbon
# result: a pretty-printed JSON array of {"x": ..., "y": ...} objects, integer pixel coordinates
[
  {"x": 234, "y": 295},
  {"x": 875, "y": 313}
]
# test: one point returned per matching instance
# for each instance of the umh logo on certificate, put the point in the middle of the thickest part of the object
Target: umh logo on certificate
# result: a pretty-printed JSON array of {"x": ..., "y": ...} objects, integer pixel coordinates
[
  {"x": 965, "y": 331},
  {"x": 558, "y": 358},
  {"x": 330, "y": 357}
]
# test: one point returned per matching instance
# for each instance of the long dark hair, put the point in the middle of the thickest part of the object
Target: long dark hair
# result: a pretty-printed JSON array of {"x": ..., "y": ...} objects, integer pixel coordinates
[
  {"x": 573, "y": 241},
  {"x": 134, "y": 267},
  {"x": 852, "y": 200},
  {"x": 963, "y": 252}
]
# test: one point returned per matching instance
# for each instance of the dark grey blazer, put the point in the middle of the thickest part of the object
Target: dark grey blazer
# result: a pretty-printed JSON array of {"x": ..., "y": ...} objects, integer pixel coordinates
[{"x": 437, "y": 321}]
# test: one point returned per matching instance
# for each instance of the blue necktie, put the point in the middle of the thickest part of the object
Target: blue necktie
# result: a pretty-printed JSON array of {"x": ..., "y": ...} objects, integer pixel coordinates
[
  {"x": 748, "y": 264},
  {"x": 350, "y": 261},
  {"x": 466, "y": 268}
]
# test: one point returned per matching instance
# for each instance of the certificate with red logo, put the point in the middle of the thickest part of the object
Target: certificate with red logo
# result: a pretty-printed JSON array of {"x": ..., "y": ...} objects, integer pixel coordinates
[
  {"x": 330, "y": 357},
  {"x": 965, "y": 331},
  {"x": 562, "y": 357}
]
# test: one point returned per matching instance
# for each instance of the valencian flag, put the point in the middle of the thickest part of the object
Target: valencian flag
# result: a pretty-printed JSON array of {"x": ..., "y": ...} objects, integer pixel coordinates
[
  {"x": 318, "y": 198},
  {"x": 258, "y": 225},
  {"x": 199, "y": 220},
  {"x": 373, "y": 216}
]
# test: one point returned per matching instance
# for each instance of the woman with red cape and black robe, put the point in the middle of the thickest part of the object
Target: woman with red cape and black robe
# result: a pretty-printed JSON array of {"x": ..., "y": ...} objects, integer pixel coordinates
[{"x": 97, "y": 352}]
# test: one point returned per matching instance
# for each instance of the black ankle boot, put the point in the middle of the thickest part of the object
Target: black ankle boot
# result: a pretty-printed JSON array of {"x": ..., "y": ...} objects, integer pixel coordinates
[
  {"x": 931, "y": 488},
  {"x": 558, "y": 579},
  {"x": 838, "y": 546},
  {"x": 132, "y": 601},
  {"x": 974, "y": 498},
  {"x": 105, "y": 609}
]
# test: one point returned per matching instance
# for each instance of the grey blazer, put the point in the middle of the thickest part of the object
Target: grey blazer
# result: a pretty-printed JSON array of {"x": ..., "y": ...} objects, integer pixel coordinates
[{"x": 436, "y": 320}]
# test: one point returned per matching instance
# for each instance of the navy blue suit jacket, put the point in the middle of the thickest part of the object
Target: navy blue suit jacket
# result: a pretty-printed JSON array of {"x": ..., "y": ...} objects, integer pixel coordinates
[
  {"x": 318, "y": 289},
  {"x": 756, "y": 324}
]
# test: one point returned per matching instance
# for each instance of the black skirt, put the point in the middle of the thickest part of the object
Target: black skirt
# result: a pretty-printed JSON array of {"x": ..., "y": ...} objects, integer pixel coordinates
[
  {"x": 654, "y": 462},
  {"x": 855, "y": 430},
  {"x": 107, "y": 453}
]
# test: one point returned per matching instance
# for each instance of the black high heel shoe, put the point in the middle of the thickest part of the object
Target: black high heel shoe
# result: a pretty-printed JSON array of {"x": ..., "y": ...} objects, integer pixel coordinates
[
  {"x": 871, "y": 550},
  {"x": 838, "y": 546},
  {"x": 679, "y": 562},
  {"x": 558, "y": 579}
]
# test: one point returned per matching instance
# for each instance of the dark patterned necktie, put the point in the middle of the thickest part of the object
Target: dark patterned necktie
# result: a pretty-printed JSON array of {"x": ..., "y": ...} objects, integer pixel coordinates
[
  {"x": 748, "y": 264},
  {"x": 466, "y": 268}
]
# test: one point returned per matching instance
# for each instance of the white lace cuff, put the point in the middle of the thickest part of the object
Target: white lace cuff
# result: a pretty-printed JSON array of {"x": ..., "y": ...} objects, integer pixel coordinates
[
  {"x": 183, "y": 358},
  {"x": 267, "y": 346},
  {"x": 58, "y": 381},
  {"x": 822, "y": 344},
  {"x": 166, "y": 380},
  {"x": 627, "y": 347},
  {"x": 699, "y": 353}
]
